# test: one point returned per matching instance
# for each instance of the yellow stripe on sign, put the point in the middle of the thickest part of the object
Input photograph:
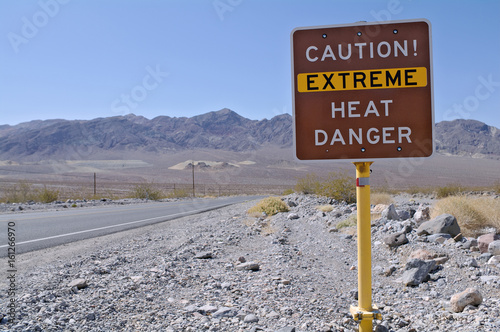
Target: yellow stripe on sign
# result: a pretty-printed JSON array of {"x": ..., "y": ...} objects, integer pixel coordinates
[{"x": 363, "y": 79}]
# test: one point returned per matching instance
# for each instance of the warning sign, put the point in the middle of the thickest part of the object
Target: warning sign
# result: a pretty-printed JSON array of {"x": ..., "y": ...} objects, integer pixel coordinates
[{"x": 363, "y": 91}]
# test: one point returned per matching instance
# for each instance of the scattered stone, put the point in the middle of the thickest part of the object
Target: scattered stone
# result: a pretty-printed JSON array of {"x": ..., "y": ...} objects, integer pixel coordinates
[
  {"x": 172, "y": 286},
  {"x": 292, "y": 216},
  {"x": 416, "y": 271},
  {"x": 441, "y": 260},
  {"x": 207, "y": 309},
  {"x": 484, "y": 241},
  {"x": 395, "y": 240},
  {"x": 445, "y": 223},
  {"x": 204, "y": 255},
  {"x": 494, "y": 260},
  {"x": 78, "y": 283},
  {"x": 379, "y": 208},
  {"x": 390, "y": 270},
  {"x": 390, "y": 213},
  {"x": 494, "y": 247},
  {"x": 251, "y": 318},
  {"x": 422, "y": 254},
  {"x": 248, "y": 266},
  {"x": 225, "y": 312},
  {"x": 422, "y": 214},
  {"x": 470, "y": 296},
  {"x": 403, "y": 214},
  {"x": 438, "y": 238},
  {"x": 286, "y": 329}
]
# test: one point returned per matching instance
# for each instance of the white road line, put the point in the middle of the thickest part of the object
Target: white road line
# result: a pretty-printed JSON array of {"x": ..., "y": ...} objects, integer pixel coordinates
[{"x": 112, "y": 226}]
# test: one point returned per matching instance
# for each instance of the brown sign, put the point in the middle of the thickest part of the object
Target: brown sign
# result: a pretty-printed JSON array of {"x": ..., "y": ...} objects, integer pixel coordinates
[{"x": 363, "y": 91}]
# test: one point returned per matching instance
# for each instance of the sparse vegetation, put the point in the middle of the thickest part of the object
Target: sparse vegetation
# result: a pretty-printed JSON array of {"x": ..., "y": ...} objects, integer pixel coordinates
[
  {"x": 178, "y": 193},
  {"x": 325, "y": 208},
  {"x": 309, "y": 184},
  {"x": 351, "y": 221},
  {"x": 270, "y": 206},
  {"x": 147, "y": 190},
  {"x": 338, "y": 185},
  {"x": 19, "y": 192},
  {"x": 288, "y": 192},
  {"x": 47, "y": 195},
  {"x": 474, "y": 215},
  {"x": 23, "y": 191},
  {"x": 496, "y": 187},
  {"x": 380, "y": 198},
  {"x": 449, "y": 190}
]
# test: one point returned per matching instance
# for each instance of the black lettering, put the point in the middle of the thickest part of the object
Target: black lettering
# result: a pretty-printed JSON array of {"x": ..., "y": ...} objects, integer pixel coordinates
[
  {"x": 343, "y": 75},
  {"x": 373, "y": 79},
  {"x": 408, "y": 76},
  {"x": 310, "y": 81},
  {"x": 360, "y": 80},
  {"x": 389, "y": 78},
  {"x": 328, "y": 81}
]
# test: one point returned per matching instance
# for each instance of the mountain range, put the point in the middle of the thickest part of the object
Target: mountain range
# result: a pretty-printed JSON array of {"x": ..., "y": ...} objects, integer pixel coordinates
[{"x": 221, "y": 130}]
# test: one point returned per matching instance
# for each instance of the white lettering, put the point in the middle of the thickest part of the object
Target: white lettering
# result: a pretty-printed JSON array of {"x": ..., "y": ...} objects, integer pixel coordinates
[
  {"x": 316, "y": 137},
  {"x": 403, "y": 49},
  {"x": 379, "y": 47},
  {"x": 358, "y": 137},
  {"x": 375, "y": 139},
  {"x": 386, "y": 102},
  {"x": 371, "y": 109},
  {"x": 360, "y": 45},
  {"x": 308, "y": 56},
  {"x": 340, "y": 109},
  {"x": 337, "y": 137},
  {"x": 328, "y": 53},
  {"x": 385, "y": 135},
  {"x": 351, "y": 108},
  {"x": 406, "y": 134},
  {"x": 382, "y": 49},
  {"x": 348, "y": 52}
]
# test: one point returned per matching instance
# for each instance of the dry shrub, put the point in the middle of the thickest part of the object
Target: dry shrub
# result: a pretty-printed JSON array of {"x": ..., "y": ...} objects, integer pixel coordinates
[
  {"x": 380, "y": 198},
  {"x": 449, "y": 190},
  {"x": 351, "y": 221},
  {"x": 474, "y": 215},
  {"x": 309, "y": 184},
  {"x": 147, "y": 190},
  {"x": 270, "y": 206},
  {"x": 47, "y": 195},
  {"x": 325, "y": 208}
]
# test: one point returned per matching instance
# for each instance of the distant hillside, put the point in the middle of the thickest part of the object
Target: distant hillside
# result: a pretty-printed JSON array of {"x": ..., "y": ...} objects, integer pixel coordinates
[
  {"x": 63, "y": 139},
  {"x": 467, "y": 138},
  {"x": 222, "y": 130}
]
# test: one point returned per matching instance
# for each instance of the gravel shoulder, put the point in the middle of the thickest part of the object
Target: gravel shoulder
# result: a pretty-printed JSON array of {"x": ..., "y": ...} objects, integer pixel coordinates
[{"x": 224, "y": 270}]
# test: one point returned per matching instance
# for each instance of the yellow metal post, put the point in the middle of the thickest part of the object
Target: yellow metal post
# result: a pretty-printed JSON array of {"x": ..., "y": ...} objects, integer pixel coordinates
[{"x": 365, "y": 312}]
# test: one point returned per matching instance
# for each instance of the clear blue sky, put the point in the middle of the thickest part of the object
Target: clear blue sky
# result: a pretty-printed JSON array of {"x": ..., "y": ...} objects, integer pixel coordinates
[{"x": 80, "y": 59}]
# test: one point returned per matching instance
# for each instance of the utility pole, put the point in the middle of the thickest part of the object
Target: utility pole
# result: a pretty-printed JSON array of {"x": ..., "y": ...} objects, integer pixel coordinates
[
  {"x": 95, "y": 185},
  {"x": 193, "y": 178}
]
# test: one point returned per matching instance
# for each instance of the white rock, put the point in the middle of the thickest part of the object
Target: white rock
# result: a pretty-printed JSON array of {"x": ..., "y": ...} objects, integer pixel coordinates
[{"x": 494, "y": 248}]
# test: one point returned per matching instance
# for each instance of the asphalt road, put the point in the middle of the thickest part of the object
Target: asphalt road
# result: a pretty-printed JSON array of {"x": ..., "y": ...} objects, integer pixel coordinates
[{"x": 39, "y": 230}]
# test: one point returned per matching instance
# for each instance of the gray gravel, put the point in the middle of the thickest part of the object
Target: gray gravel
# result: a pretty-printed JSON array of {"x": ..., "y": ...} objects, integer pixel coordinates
[{"x": 226, "y": 271}]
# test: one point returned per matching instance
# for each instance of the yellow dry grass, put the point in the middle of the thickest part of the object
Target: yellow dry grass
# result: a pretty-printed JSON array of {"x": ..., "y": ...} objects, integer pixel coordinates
[
  {"x": 381, "y": 198},
  {"x": 325, "y": 208},
  {"x": 474, "y": 215},
  {"x": 270, "y": 206}
]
